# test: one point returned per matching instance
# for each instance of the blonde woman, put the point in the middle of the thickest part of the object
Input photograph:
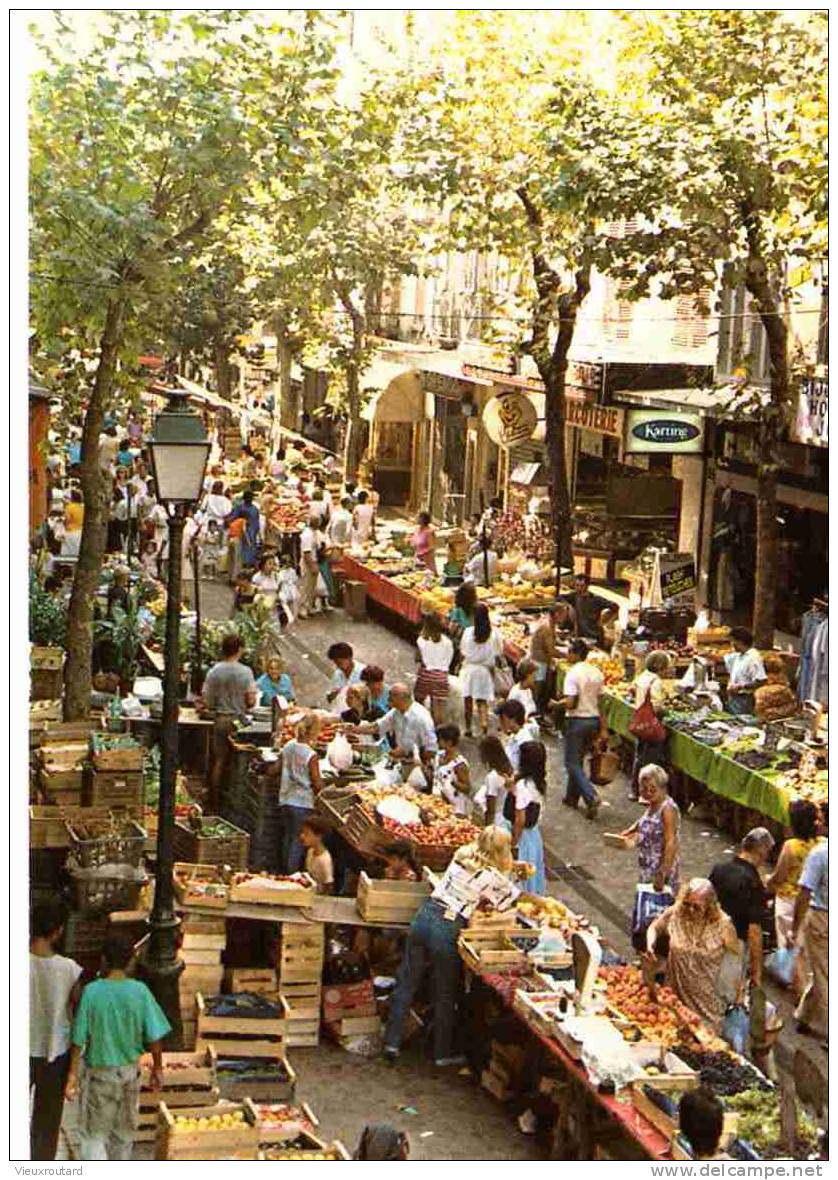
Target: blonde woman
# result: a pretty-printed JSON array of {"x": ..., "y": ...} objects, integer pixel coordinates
[
  {"x": 699, "y": 933},
  {"x": 299, "y": 783},
  {"x": 432, "y": 946}
]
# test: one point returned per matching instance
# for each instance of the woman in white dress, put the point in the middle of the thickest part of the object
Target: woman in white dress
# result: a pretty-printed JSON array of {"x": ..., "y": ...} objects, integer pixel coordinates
[
  {"x": 480, "y": 648},
  {"x": 363, "y": 521}
]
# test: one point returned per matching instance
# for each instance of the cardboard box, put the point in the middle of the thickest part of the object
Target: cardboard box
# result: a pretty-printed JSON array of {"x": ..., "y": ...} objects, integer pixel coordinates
[{"x": 346, "y": 999}]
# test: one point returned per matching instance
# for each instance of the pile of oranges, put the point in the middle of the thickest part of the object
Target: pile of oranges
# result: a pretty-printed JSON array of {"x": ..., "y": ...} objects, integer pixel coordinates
[{"x": 661, "y": 1019}]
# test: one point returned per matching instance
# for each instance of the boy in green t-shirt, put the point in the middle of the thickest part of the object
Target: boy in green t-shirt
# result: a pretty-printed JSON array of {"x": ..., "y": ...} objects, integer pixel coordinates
[{"x": 117, "y": 1020}]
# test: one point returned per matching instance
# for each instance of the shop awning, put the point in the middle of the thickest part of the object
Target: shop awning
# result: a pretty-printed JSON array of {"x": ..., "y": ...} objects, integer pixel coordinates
[{"x": 710, "y": 403}]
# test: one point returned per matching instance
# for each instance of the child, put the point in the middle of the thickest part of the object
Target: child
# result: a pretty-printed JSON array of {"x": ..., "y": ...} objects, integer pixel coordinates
[
  {"x": 54, "y": 991},
  {"x": 451, "y": 774},
  {"x": 274, "y": 682},
  {"x": 149, "y": 563},
  {"x": 522, "y": 807},
  {"x": 318, "y": 862},
  {"x": 117, "y": 1020},
  {"x": 492, "y": 794},
  {"x": 289, "y": 589},
  {"x": 401, "y": 863},
  {"x": 524, "y": 690}
]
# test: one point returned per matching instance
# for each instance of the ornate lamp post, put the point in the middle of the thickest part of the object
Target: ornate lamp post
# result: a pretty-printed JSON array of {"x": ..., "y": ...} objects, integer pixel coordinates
[{"x": 179, "y": 451}]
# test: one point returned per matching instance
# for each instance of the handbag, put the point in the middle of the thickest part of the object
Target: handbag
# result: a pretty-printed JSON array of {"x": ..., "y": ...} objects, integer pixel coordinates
[
  {"x": 648, "y": 904},
  {"x": 645, "y": 724},
  {"x": 503, "y": 680},
  {"x": 532, "y": 812}
]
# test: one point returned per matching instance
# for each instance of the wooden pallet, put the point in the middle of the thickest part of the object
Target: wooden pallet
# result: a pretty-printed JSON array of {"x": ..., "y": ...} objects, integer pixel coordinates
[{"x": 175, "y": 1143}]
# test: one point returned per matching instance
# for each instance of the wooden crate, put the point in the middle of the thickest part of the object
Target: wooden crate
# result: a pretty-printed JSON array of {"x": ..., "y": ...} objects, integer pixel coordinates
[
  {"x": 47, "y": 827},
  {"x": 303, "y": 1027},
  {"x": 117, "y": 789},
  {"x": 487, "y": 951},
  {"x": 174, "y": 1143},
  {"x": 199, "y": 884},
  {"x": 48, "y": 658},
  {"x": 256, "y": 891},
  {"x": 678, "y": 1076},
  {"x": 258, "y": 980},
  {"x": 40, "y": 712},
  {"x": 668, "y": 1125},
  {"x": 310, "y": 991},
  {"x": 495, "y": 1085},
  {"x": 279, "y": 1122},
  {"x": 232, "y": 850},
  {"x": 280, "y": 1089},
  {"x": 68, "y": 753},
  {"x": 390, "y": 901},
  {"x": 241, "y": 1036},
  {"x": 125, "y": 758},
  {"x": 195, "y": 1071},
  {"x": 356, "y": 1026},
  {"x": 310, "y": 1147}
]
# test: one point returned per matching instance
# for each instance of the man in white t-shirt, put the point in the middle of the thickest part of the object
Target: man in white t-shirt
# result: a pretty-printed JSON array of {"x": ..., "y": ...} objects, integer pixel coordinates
[
  {"x": 408, "y": 724},
  {"x": 339, "y": 531},
  {"x": 309, "y": 569},
  {"x": 582, "y": 688}
]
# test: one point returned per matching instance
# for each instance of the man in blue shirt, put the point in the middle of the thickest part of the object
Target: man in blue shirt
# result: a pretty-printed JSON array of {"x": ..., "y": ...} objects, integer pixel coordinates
[
  {"x": 811, "y": 914},
  {"x": 117, "y": 1020}
]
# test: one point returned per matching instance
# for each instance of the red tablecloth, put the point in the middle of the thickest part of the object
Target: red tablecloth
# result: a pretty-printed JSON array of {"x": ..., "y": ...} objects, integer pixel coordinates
[
  {"x": 381, "y": 589},
  {"x": 649, "y": 1138}
]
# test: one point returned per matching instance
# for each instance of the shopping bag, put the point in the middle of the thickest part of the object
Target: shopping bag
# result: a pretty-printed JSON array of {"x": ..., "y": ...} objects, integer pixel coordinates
[
  {"x": 736, "y": 1027},
  {"x": 780, "y": 964},
  {"x": 648, "y": 903},
  {"x": 605, "y": 765},
  {"x": 645, "y": 724}
]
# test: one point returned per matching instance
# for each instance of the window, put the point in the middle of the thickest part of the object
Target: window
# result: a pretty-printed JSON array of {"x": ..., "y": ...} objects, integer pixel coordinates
[
  {"x": 618, "y": 313},
  {"x": 690, "y": 328}
]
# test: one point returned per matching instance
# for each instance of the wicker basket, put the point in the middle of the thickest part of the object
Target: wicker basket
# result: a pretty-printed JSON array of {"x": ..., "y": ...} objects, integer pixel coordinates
[{"x": 115, "y": 842}]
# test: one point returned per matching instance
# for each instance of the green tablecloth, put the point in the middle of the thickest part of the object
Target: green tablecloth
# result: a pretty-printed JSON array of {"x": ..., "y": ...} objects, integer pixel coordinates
[{"x": 719, "y": 773}]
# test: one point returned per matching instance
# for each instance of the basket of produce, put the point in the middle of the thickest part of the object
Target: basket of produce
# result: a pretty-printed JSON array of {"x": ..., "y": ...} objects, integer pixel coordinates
[
  {"x": 101, "y": 889},
  {"x": 201, "y": 885},
  {"x": 295, "y": 889},
  {"x": 115, "y": 751},
  {"x": 223, "y": 1132},
  {"x": 210, "y": 839},
  {"x": 48, "y": 823},
  {"x": 304, "y": 1147},
  {"x": 105, "y": 841}
]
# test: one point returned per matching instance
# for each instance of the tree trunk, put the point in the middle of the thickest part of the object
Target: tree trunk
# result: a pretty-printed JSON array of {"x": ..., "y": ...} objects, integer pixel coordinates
[
  {"x": 289, "y": 401},
  {"x": 560, "y": 507},
  {"x": 94, "y": 528},
  {"x": 221, "y": 364},
  {"x": 773, "y": 420},
  {"x": 354, "y": 442}
]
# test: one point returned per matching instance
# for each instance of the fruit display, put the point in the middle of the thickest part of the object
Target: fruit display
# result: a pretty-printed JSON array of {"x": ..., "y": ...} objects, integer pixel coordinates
[
  {"x": 522, "y": 594},
  {"x": 283, "y": 1120},
  {"x": 723, "y": 1072},
  {"x": 414, "y": 580},
  {"x": 438, "y": 600},
  {"x": 215, "y": 1122},
  {"x": 550, "y": 911},
  {"x": 662, "y": 1019},
  {"x": 611, "y": 668},
  {"x": 273, "y": 880},
  {"x": 759, "y": 1124}
]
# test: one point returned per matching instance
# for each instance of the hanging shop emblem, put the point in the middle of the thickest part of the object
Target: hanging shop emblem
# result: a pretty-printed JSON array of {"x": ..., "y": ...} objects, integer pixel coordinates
[
  {"x": 510, "y": 418},
  {"x": 664, "y": 431}
]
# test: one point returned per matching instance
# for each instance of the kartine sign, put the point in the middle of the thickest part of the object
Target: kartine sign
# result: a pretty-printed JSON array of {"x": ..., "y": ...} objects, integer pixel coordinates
[{"x": 663, "y": 431}]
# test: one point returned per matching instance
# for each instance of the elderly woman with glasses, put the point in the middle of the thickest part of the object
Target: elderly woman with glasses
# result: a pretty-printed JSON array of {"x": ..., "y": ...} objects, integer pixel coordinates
[{"x": 693, "y": 936}]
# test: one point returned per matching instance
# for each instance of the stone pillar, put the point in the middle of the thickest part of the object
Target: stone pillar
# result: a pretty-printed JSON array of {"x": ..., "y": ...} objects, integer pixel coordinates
[{"x": 688, "y": 469}]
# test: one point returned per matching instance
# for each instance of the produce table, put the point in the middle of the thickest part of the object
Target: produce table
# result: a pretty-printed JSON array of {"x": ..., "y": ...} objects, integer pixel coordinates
[
  {"x": 195, "y": 735},
  {"x": 381, "y": 589},
  {"x": 340, "y": 911},
  {"x": 707, "y": 765},
  {"x": 652, "y": 1143}
]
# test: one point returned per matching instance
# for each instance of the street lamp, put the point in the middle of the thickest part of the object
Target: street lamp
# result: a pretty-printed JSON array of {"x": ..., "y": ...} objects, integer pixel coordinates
[{"x": 179, "y": 451}]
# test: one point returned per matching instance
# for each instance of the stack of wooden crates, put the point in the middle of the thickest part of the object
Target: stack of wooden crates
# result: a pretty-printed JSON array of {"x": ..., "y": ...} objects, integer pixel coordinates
[
  {"x": 204, "y": 939},
  {"x": 300, "y": 960}
]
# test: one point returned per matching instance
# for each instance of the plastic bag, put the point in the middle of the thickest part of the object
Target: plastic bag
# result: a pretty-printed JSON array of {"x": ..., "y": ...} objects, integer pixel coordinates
[
  {"x": 417, "y": 779},
  {"x": 780, "y": 964},
  {"x": 647, "y": 905},
  {"x": 736, "y": 1027},
  {"x": 339, "y": 752}
]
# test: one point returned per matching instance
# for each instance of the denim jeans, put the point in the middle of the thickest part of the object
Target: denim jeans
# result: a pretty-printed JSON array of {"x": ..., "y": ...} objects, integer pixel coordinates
[
  {"x": 577, "y": 736},
  {"x": 292, "y": 820},
  {"x": 431, "y": 943}
]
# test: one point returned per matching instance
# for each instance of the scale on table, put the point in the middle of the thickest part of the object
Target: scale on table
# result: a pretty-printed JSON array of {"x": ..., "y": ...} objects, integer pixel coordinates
[{"x": 587, "y": 957}]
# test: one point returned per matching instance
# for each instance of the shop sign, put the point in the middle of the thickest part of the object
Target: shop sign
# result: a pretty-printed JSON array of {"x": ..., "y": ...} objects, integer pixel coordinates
[
  {"x": 510, "y": 418},
  {"x": 664, "y": 432},
  {"x": 588, "y": 416},
  {"x": 498, "y": 377},
  {"x": 678, "y": 580},
  {"x": 811, "y": 425},
  {"x": 447, "y": 385}
]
